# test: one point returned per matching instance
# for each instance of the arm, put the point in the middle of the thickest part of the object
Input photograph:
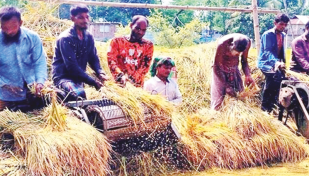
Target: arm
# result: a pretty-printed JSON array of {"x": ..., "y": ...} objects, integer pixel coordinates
[
  {"x": 267, "y": 60},
  {"x": 71, "y": 64},
  {"x": 245, "y": 65},
  {"x": 219, "y": 60},
  {"x": 112, "y": 54},
  {"x": 39, "y": 61},
  {"x": 300, "y": 55},
  {"x": 40, "y": 65},
  {"x": 178, "y": 97},
  {"x": 94, "y": 60}
]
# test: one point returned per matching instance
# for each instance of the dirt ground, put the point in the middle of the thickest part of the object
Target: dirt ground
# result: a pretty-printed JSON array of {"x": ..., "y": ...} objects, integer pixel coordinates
[
  {"x": 301, "y": 168},
  {"x": 285, "y": 169}
]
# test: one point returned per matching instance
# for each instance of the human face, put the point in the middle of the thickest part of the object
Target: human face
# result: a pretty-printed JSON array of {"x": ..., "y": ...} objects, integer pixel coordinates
[
  {"x": 280, "y": 26},
  {"x": 81, "y": 20},
  {"x": 138, "y": 30},
  {"x": 11, "y": 27},
  {"x": 235, "y": 53},
  {"x": 164, "y": 71}
]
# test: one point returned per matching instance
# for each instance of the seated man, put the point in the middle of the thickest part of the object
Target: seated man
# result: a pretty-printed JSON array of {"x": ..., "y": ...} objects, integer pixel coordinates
[
  {"x": 129, "y": 57},
  {"x": 74, "y": 50},
  {"x": 161, "y": 84},
  {"x": 300, "y": 50},
  {"x": 226, "y": 78},
  {"x": 22, "y": 61}
]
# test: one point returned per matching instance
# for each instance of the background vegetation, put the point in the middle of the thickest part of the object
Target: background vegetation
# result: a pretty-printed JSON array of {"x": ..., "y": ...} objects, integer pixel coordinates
[{"x": 175, "y": 28}]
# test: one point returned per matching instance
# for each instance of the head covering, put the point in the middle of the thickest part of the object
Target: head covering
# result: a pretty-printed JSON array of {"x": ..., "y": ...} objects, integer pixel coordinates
[{"x": 159, "y": 61}]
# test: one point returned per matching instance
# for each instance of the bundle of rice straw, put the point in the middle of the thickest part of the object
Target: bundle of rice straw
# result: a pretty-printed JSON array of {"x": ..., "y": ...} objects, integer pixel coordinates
[
  {"x": 134, "y": 101},
  {"x": 299, "y": 76},
  {"x": 42, "y": 149},
  {"x": 239, "y": 136}
]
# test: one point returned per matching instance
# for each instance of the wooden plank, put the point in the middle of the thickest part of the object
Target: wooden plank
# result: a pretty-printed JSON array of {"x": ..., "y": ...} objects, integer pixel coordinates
[
  {"x": 139, "y": 5},
  {"x": 256, "y": 25}
]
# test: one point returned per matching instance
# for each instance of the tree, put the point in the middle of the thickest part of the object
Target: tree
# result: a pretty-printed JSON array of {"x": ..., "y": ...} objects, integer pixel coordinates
[
  {"x": 174, "y": 36},
  {"x": 112, "y": 14},
  {"x": 17, "y": 3}
]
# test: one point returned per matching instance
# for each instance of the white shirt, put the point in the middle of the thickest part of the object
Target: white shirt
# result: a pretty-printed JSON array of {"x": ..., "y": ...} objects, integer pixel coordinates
[{"x": 169, "y": 89}]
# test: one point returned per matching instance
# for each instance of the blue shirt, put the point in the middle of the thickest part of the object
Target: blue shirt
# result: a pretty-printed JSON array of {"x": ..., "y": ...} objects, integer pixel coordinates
[
  {"x": 269, "y": 51},
  {"x": 21, "y": 63}
]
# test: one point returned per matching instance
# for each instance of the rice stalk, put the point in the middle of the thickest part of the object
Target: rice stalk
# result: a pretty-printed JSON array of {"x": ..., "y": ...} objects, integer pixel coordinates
[{"x": 49, "y": 152}]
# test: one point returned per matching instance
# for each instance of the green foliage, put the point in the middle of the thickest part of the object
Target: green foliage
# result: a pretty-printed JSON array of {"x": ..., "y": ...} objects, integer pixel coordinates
[
  {"x": 244, "y": 24},
  {"x": 16, "y": 3},
  {"x": 123, "y": 30},
  {"x": 174, "y": 37},
  {"x": 111, "y": 14},
  {"x": 266, "y": 22}
]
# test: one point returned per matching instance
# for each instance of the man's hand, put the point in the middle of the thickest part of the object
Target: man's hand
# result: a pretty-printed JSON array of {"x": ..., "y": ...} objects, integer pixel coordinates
[
  {"x": 249, "y": 81},
  {"x": 98, "y": 85},
  {"x": 38, "y": 89},
  {"x": 122, "y": 79},
  {"x": 230, "y": 91},
  {"x": 103, "y": 77},
  {"x": 292, "y": 63},
  {"x": 280, "y": 66}
]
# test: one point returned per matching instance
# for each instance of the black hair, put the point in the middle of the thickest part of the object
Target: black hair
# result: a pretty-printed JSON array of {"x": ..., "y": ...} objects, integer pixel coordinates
[
  {"x": 138, "y": 17},
  {"x": 81, "y": 8},
  {"x": 241, "y": 45},
  {"x": 8, "y": 12},
  {"x": 307, "y": 25},
  {"x": 282, "y": 17}
]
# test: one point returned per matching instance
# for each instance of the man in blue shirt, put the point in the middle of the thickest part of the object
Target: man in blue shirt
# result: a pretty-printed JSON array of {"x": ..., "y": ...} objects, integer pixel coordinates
[
  {"x": 74, "y": 50},
  {"x": 22, "y": 60},
  {"x": 271, "y": 61}
]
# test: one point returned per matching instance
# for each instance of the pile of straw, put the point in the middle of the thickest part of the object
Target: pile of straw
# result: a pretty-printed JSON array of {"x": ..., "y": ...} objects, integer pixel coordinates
[
  {"x": 238, "y": 136},
  {"x": 41, "y": 149},
  {"x": 40, "y": 17},
  {"x": 134, "y": 101}
]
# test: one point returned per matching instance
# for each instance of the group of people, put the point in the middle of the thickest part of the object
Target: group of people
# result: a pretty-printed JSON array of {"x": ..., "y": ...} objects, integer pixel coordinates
[
  {"x": 271, "y": 61},
  {"x": 23, "y": 67},
  {"x": 23, "y": 64}
]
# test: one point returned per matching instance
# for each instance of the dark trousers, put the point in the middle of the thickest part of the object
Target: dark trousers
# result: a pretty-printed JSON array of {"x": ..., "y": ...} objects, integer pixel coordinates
[
  {"x": 71, "y": 91},
  {"x": 29, "y": 104},
  {"x": 271, "y": 89}
]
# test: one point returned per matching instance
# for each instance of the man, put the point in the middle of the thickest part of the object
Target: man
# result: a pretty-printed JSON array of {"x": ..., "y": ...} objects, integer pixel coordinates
[
  {"x": 226, "y": 78},
  {"x": 74, "y": 50},
  {"x": 300, "y": 50},
  {"x": 22, "y": 61},
  {"x": 129, "y": 57},
  {"x": 162, "y": 84},
  {"x": 271, "y": 61}
]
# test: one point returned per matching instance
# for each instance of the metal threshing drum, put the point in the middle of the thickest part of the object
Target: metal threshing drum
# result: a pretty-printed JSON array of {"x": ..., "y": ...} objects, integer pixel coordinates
[
  {"x": 126, "y": 136},
  {"x": 300, "y": 118}
]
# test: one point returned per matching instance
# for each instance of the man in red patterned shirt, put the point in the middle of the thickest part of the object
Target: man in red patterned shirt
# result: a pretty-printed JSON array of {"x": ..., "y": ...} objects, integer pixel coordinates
[{"x": 129, "y": 57}]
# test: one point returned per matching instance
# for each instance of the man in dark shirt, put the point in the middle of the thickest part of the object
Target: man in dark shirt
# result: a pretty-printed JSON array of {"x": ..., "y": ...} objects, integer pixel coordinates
[
  {"x": 300, "y": 50},
  {"x": 74, "y": 50}
]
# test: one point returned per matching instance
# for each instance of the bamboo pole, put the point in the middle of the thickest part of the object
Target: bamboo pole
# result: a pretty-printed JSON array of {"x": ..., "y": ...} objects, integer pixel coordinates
[
  {"x": 256, "y": 25},
  {"x": 139, "y": 5}
]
